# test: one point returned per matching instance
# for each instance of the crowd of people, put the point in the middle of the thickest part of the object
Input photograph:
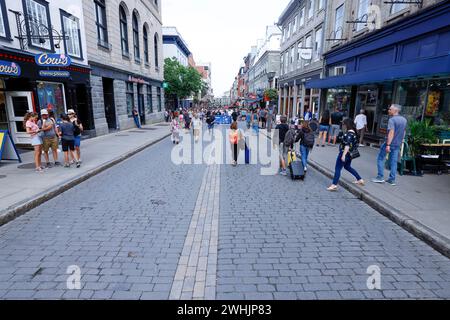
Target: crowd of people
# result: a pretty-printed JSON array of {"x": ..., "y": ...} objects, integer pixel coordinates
[
  {"x": 46, "y": 133},
  {"x": 297, "y": 136}
]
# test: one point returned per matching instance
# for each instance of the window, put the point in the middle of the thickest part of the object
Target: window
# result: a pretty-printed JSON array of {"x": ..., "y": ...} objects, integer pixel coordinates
[
  {"x": 71, "y": 29},
  {"x": 37, "y": 15},
  {"x": 100, "y": 14},
  {"x": 302, "y": 17},
  {"x": 362, "y": 10},
  {"x": 149, "y": 99},
  {"x": 156, "y": 50},
  {"x": 137, "y": 53},
  {"x": 294, "y": 24},
  {"x": 51, "y": 96},
  {"x": 338, "y": 23},
  {"x": 158, "y": 91},
  {"x": 318, "y": 44},
  {"x": 4, "y": 24},
  {"x": 123, "y": 31},
  {"x": 282, "y": 64},
  {"x": 130, "y": 98},
  {"x": 289, "y": 30},
  {"x": 146, "y": 55},
  {"x": 396, "y": 7},
  {"x": 310, "y": 8},
  {"x": 291, "y": 59},
  {"x": 299, "y": 56},
  {"x": 321, "y": 4},
  {"x": 308, "y": 44}
]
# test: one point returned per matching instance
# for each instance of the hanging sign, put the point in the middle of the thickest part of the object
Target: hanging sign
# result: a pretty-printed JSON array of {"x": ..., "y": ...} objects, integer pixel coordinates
[
  {"x": 54, "y": 74},
  {"x": 52, "y": 60},
  {"x": 306, "y": 54},
  {"x": 9, "y": 68},
  {"x": 8, "y": 149}
]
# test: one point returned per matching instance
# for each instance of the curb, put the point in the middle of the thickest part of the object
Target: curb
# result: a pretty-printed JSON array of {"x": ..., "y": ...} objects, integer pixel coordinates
[
  {"x": 10, "y": 214},
  {"x": 417, "y": 229}
]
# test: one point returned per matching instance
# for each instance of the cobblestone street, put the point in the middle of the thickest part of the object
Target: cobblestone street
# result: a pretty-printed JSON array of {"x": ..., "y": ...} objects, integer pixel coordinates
[{"x": 148, "y": 229}]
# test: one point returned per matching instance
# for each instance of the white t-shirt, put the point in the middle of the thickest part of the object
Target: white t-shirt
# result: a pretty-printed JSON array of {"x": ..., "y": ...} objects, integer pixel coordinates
[
  {"x": 197, "y": 124},
  {"x": 360, "y": 121}
]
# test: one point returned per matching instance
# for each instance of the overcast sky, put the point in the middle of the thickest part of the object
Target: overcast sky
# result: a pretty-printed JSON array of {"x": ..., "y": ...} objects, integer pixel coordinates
[{"x": 221, "y": 31}]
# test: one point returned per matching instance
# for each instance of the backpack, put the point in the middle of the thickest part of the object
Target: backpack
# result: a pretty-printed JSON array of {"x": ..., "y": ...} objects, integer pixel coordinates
[
  {"x": 76, "y": 129},
  {"x": 309, "y": 139},
  {"x": 289, "y": 139}
]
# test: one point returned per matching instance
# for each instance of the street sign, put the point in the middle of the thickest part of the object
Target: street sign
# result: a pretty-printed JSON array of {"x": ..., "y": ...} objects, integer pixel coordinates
[
  {"x": 8, "y": 150},
  {"x": 165, "y": 85}
]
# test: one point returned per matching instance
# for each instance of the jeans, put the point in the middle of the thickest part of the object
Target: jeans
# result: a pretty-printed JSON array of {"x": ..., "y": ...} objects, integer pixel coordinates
[
  {"x": 393, "y": 161},
  {"x": 347, "y": 165},
  {"x": 136, "y": 121},
  {"x": 304, "y": 151}
]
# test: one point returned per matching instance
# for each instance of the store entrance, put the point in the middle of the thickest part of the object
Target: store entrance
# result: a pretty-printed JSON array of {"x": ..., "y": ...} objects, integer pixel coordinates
[
  {"x": 141, "y": 105},
  {"x": 3, "y": 112},
  {"x": 19, "y": 103},
  {"x": 367, "y": 99},
  {"x": 108, "y": 99}
]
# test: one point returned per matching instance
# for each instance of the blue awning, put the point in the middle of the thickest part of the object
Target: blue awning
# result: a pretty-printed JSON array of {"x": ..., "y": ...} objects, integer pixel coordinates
[{"x": 425, "y": 67}]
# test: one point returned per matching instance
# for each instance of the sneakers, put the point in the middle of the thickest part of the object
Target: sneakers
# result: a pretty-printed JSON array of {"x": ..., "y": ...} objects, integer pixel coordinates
[
  {"x": 39, "y": 170},
  {"x": 67, "y": 165},
  {"x": 49, "y": 165},
  {"x": 283, "y": 172},
  {"x": 78, "y": 164},
  {"x": 57, "y": 164},
  {"x": 391, "y": 182},
  {"x": 378, "y": 180},
  {"x": 332, "y": 188},
  {"x": 362, "y": 145}
]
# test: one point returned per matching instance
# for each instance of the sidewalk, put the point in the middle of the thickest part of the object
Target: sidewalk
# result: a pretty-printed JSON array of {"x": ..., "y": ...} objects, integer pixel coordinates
[
  {"x": 22, "y": 189},
  {"x": 419, "y": 204}
]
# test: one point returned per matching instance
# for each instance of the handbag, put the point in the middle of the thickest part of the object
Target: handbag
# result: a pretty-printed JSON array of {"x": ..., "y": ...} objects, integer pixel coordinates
[{"x": 354, "y": 154}]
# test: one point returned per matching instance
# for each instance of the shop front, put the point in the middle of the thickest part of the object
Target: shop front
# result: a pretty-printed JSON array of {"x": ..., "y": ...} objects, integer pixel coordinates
[
  {"x": 406, "y": 63},
  {"x": 41, "y": 84}
]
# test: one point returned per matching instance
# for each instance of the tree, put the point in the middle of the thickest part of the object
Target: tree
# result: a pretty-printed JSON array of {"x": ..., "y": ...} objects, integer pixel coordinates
[
  {"x": 271, "y": 94},
  {"x": 182, "y": 81}
]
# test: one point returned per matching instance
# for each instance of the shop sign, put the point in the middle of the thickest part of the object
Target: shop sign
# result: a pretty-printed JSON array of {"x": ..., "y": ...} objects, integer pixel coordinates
[
  {"x": 9, "y": 68},
  {"x": 52, "y": 60},
  {"x": 54, "y": 74},
  {"x": 137, "y": 80},
  {"x": 306, "y": 54}
]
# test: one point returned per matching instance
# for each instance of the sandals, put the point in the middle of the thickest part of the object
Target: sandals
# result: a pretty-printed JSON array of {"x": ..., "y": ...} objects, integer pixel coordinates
[
  {"x": 332, "y": 188},
  {"x": 361, "y": 183}
]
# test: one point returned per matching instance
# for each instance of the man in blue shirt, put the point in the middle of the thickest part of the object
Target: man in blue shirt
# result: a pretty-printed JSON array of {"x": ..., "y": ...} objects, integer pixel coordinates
[{"x": 394, "y": 141}]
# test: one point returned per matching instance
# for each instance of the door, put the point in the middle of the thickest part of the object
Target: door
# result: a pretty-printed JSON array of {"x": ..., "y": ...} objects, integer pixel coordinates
[
  {"x": 110, "y": 108},
  {"x": 19, "y": 103},
  {"x": 141, "y": 105},
  {"x": 4, "y": 124}
]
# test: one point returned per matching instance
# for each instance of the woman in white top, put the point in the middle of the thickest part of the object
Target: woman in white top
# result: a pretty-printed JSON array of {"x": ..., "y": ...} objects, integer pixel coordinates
[{"x": 197, "y": 127}]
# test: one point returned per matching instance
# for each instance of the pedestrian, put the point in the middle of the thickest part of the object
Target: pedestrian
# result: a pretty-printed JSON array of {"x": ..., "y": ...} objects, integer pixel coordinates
[
  {"x": 175, "y": 129},
  {"x": 78, "y": 130},
  {"x": 306, "y": 138},
  {"x": 236, "y": 138},
  {"x": 392, "y": 145},
  {"x": 235, "y": 115},
  {"x": 49, "y": 137},
  {"x": 324, "y": 127},
  {"x": 187, "y": 121},
  {"x": 344, "y": 160},
  {"x": 136, "y": 118},
  {"x": 67, "y": 132},
  {"x": 263, "y": 117},
  {"x": 307, "y": 116},
  {"x": 336, "y": 121},
  {"x": 361, "y": 126},
  {"x": 255, "y": 124},
  {"x": 282, "y": 128},
  {"x": 197, "y": 125},
  {"x": 30, "y": 125}
]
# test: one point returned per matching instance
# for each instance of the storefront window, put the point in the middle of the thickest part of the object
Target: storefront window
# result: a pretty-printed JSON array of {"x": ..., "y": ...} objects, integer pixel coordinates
[
  {"x": 438, "y": 102},
  {"x": 158, "y": 92},
  {"x": 130, "y": 99},
  {"x": 412, "y": 97},
  {"x": 149, "y": 99},
  {"x": 339, "y": 98},
  {"x": 51, "y": 97},
  {"x": 367, "y": 100}
]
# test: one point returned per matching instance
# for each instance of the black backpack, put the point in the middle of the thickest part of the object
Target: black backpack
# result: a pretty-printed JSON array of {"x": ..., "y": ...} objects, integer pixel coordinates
[
  {"x": 309, "y": 139},
  {"x": 76, "y": 129}
]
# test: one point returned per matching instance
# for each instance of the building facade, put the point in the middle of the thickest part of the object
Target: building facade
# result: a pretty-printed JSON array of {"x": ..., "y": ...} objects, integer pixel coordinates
[
  {"x": 125, "y": 52},
  {"x": 43, "y": 62},
  {"x": 387, "y": 53},
  {"x": 303, "y": 23}
]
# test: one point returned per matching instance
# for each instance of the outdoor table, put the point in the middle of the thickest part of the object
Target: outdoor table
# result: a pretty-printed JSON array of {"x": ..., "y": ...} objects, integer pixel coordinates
[{"x": 436, "y": 156}]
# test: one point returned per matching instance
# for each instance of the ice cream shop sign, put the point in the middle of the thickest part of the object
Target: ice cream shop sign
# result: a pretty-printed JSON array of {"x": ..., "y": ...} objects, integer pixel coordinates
[
  {"x": 8, "y": 68},
  {"x": 52, "y": 60}
]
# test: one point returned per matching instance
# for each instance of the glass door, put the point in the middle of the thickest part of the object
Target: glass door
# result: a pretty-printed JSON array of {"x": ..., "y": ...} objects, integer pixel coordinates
[{"x": 19, "y": 103}]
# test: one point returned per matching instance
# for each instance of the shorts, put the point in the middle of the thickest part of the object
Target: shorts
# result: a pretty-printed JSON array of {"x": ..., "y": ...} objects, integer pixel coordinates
[
  {"x": 68, "y": 144},
  {"x": 77, "y": 141},
  {"x": 324, "y": 128},
  {"x": 50, "y": 143},
  {"x": 335, "y": 129},
  {"x": 283, "y": 150},
  {"x": 36, "y": 141}
]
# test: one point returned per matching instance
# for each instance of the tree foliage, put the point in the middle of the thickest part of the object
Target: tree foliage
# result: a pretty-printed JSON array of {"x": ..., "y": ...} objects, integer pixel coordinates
[
  {"x": 272, "y": 94},
  {"x": 182, "y": 81}
]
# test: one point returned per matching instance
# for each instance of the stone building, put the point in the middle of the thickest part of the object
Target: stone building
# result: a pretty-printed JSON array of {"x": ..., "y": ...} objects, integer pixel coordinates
[{"x": 125, "y": 52}]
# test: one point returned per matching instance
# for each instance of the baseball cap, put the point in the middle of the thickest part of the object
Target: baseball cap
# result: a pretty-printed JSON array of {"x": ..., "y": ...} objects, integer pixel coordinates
[
  {"x": 70, "y": 111},
  {"x": 44, "y": 112}
]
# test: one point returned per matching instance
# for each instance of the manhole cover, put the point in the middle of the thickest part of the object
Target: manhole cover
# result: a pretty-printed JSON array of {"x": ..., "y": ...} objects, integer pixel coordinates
[
  {"x": 27, "y": 166},
  {"x": 137, "y": 131},
  {"x": 2, "y": 176}
]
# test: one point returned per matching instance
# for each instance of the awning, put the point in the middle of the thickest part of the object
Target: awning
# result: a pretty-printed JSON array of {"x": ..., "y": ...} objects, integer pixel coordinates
[{"x": 425, "y": 67}]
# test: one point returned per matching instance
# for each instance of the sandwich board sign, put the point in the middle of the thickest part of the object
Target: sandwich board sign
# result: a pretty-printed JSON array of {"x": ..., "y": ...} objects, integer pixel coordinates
[{"x": 8, "y": 149}]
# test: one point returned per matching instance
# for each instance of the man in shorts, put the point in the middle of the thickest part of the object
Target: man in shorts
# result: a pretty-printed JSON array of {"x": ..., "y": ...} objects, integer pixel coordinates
[
  {"x": 336, "y": 120},
  {"x": 49, "y": 138}
]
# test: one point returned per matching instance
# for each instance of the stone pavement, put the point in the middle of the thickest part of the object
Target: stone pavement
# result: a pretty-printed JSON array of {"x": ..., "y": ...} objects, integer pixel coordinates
[
  {"x": 143, "y": 228},
  {"x": 424, "y": 200},
  {"x": 20, "y": 185}
]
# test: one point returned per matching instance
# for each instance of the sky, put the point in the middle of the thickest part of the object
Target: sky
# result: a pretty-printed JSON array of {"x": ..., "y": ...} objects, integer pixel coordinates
[{"x": 221, "y": 31}]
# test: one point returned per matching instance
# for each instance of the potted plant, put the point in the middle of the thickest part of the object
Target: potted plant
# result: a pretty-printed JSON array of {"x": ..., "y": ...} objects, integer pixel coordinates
[{"x": 421, "y": 132}]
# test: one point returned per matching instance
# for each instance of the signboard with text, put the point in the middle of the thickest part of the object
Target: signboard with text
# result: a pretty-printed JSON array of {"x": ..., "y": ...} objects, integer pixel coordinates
[
  {"x": 8, "y": 68},
  {"x": 8, "y": 150},
  {"x": 52, "y": 60}
]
